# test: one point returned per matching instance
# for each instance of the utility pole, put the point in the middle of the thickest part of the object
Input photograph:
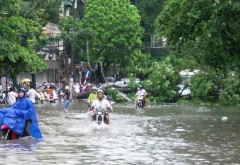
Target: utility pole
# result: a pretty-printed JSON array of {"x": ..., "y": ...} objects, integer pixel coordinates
[{"x": 71, "y": 75}]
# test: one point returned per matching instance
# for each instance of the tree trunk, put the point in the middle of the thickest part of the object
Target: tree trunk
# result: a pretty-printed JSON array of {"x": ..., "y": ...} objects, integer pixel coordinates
[{"x": 33, "y": 80}]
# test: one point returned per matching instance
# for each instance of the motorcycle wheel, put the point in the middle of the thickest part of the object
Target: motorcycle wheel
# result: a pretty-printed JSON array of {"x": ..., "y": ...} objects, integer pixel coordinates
[
  {"x": 99, "y": 120},
  {"x": 3, "y": 134},
  {"x": 140, "y": 104}
]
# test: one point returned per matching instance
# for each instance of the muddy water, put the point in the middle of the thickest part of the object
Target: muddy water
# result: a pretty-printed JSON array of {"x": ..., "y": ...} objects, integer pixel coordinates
[{"x": 161, "y": 134}]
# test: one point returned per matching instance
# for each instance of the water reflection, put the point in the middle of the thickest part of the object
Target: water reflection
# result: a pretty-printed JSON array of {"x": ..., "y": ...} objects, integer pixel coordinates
[{"x": 161, "y": 134}]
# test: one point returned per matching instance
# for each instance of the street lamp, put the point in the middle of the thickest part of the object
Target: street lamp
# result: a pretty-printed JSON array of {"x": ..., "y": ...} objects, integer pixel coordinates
[{"x": 68, "y": 5}]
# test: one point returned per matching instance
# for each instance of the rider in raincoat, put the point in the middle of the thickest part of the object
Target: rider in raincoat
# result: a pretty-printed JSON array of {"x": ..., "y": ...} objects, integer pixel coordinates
[{"x": 19, "y": 114}]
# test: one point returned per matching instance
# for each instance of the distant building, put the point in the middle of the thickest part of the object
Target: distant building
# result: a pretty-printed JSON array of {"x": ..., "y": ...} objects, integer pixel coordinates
[
  {"x": 54, "y": 55},
  {"x": 158, "y": 42}
]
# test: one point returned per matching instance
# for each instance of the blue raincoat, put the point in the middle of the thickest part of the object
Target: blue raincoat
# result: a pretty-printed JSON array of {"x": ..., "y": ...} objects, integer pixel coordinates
[{"x": 15, "y": 117}]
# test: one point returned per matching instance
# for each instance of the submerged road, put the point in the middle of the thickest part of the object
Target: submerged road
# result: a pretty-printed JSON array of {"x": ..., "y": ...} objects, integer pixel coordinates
[{"x": 161, "y": 134}]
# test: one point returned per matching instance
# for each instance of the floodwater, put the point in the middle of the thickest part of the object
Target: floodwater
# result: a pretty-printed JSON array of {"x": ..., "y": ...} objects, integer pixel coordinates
[{"x": 161, "y": 134}]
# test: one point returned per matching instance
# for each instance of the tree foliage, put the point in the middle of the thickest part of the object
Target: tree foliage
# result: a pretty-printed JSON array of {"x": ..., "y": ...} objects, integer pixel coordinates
[
  {"x": 18, "y": 41},
  {"x": 139, "y": 65},
  {"x": 209, "y": 30},
  {"x": 21, "y": 24},
  {"x": 162, "y": 81},
  {"x": 205, "y": 87},
  {"x": 230, "y": 94},
  {"x": 208, "y": 33},
  {"x": 117, "y": 29},
  {"x": 42, "y": 11},
  {"x": 148, "y": 10}
]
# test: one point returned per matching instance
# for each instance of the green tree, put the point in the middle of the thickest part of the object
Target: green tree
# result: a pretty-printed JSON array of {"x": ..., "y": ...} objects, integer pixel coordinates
[
  {"x": 116, "y": 25},
  {"x": 148, "y": 10},
  {"x": 18, "y": 38},
  {"x": 139, "y": 65},
  {"x": 163, "y": 80},
  {"x": 44, "y": 11},
  {"x": 205, "y": 87},
  {"x": 230, "y": 94},
  {"x": 209, "y": 30}
]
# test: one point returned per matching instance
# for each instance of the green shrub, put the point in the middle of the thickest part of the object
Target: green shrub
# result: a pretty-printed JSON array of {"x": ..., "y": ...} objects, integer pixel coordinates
[
  {"x": 162, "y": 82},
  {"x": 204, "y": 87},
  {"x": 230, "y": 90},
  {"x": 113, "y": 93}
]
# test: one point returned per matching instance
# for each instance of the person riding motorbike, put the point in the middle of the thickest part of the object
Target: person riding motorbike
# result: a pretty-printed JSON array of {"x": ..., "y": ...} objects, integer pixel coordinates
[
  {"x": 21, "y": 117},
  {"x": 92, "y": 96},
  {"x": 103, "y": 103},
  {"x": 141, "y": 93}
]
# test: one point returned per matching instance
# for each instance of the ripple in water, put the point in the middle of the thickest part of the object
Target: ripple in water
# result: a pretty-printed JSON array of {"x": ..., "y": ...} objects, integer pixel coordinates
[{"x": 165, "y": 134}]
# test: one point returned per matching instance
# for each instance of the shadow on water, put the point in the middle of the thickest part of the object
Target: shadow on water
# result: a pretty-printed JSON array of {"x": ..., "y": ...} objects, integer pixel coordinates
[{"x": 160, "y": 134}]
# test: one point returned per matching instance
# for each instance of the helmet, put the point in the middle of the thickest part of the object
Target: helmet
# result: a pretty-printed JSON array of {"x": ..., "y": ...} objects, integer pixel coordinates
[
  {"x": 100, "y": 91},
  {"x": 140, "y": 86},
  {"x": 66, "y": 87},
  {"x": 94, "y": 88},
  {"x": 11, "y": 89},
  {"x": 21, "y": 90}
]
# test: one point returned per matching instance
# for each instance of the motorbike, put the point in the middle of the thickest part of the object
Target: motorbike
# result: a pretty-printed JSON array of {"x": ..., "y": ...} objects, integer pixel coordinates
[
  {"x": 7, "y": 134},
  {"x": 3, "y": 97},
  {"x": 141, "y": 103},
  {"x": 98, "y": 116}
]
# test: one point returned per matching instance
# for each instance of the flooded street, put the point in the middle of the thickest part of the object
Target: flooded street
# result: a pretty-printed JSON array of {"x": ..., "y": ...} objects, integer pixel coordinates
[{"x": 162, "y": 134}]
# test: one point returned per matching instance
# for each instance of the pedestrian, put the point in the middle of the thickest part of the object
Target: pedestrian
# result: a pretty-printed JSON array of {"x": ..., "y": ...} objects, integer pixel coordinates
[
  {"x": 32, "y": 94},
  {"x": 87, "y": 76},
  {"x": 66, "y": 98},
  {"x": 12, "y": 96}
]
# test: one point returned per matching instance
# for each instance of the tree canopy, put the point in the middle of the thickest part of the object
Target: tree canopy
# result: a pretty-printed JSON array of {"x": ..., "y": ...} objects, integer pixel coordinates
[
  {"x": 148, "y": 11},
  {"x": 209, "y": 30},
  {"x": 21, "y": 25},
  {"x": 18, "y": 41},
  {"x": 205, "y": 34},
  {"x": 116, "y": 25},
  {"x": 44, "y": 11}
]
